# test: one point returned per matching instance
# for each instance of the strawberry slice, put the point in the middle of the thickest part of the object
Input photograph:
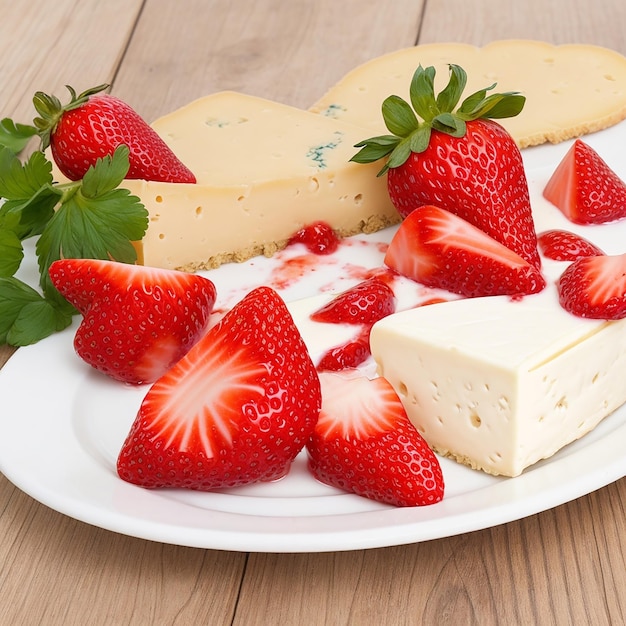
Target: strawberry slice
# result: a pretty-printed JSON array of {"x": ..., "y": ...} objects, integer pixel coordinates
[
  {"x": 364, "y": 303},
  {"x": 348, "y": 355},
  {"x": 585, "y": 188},
  {"x": 235, "y": 410},
  {"x": 595, "y": 287},
  {"x": 563, "y": 245},
  {"x": 364, "y": 443},
  {"x": 137, "y": 321},
  {"x": 439, "y": 249},
  {"x": 318, "y": 238}
]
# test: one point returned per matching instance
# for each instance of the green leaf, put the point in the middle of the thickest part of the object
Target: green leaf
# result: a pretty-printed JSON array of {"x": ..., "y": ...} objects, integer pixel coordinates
[
  {"x": 14, "y": 136},
  {"x": 450, "y": 124},
  {"x": 420, "y": 138},
  {"x": 422, "y": 92},
  {"x": 11, "y": 252},
  {"x": 28, "y": 190},
  {"x": 25, "y": 316},
  {"x": 399, "y": 117},
  {"x": 107, "y": 174},
  {"x": 375, "y": 148},
  {"x": 449, "y": 97},
  {"x": 95, "y": 222}
]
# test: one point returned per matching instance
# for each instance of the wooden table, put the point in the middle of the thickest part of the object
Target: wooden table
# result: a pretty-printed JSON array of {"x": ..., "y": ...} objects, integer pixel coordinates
[{"x": 563, "y": 566}]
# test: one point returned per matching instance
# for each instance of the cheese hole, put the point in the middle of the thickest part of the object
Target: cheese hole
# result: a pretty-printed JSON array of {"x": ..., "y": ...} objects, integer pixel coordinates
[
  {"x": 475, "y": 420},
  {"x": 561, "y": 404},
  {"x": 161, "y": 236},
  {"x": 198, "y": 211},
  {"x": 314, "y": 185},
  {"x": 402, "y": 389},
  {"x": 594, "y": 380},
  {"x": 358, "y": 199},
  {"x": 609, "y": 77},
  {"x": 158, "y": 199}
]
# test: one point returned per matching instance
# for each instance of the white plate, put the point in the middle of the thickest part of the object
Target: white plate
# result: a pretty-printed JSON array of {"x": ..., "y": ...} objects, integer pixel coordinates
[{"x": 63, "y": 424}]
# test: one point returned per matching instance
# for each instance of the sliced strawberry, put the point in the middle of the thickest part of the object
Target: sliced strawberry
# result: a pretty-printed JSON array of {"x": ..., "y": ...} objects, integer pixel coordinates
[
  {"x": 348, "y": 355},
  {"x": 365, "y": 443},
  {"x": 137, "y": 321},
  {"x": 595, "y": 287},
  {"x": 585, "y": 188},
  {"x": 563, "y": 245},
  {"x": 235, "y": 410},
  {"x": 318, "y": 237},
  {"x": 439, "y": 249},
  {"x": 364, "y": 303}
]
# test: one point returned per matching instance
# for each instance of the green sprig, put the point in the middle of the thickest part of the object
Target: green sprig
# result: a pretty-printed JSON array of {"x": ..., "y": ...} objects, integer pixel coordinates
[{"x": 89, "y": 218}]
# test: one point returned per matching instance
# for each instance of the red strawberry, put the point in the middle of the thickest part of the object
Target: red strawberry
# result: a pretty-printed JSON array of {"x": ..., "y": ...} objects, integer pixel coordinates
[
  {"x": 562, "y": 245},
  {"x": 318, "y": 238},
  {"x": 92, "y": 125},
  {"x": 439, "y": 249},
  {"x": 585, "y": 188},
  {"x": 137, "y": 321},
  {"x": 364, "y": 303},
  {"x": 595, "y": 287},
  {"x": 459, "y": 160},
  {"x": 364, "y": 443},
  {"x": 236, "y": 409},
  {"x": 348, "y": 355}
]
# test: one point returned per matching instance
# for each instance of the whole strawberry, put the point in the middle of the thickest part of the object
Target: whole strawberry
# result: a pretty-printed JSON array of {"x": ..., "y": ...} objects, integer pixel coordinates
[
  {"x": 459, "y": 160},
  {"x": 92, "y": 125}
]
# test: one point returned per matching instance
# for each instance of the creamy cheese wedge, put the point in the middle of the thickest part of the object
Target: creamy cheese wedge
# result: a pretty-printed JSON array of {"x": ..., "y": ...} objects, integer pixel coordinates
[
  {"x": 499, "y": 384},
  {"x": 570, "y": 90},
  {"x": 264, "y": 170}
]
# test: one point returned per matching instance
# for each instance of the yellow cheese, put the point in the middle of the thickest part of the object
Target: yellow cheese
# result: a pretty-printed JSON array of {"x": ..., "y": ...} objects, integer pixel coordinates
[
  {"x": 264, "y": 170},
  {"x": 570, "y": 90}
]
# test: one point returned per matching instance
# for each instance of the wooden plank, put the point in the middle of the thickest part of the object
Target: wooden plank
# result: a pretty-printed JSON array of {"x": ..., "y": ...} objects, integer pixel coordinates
[
  {"x": 61, "y": 42},
  {"x": 55, "y": 570},
  {"x": 546, "y": 569},
  {"x": 290, "y": 52},
  {"x": 556, "y": 21}
]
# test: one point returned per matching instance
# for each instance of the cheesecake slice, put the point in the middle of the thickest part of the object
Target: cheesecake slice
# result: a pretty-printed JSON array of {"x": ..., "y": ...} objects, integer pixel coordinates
[
  {"x": 570, "y": 90},
  {"x": 499, "y": 384},
  {"x": 264, "y": 170}
]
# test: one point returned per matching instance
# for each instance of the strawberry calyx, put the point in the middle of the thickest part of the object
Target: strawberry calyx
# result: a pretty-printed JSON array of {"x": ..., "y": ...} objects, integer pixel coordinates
[
  {"x": 50, "y": 110},
  {"x": 437, "y": 112}
]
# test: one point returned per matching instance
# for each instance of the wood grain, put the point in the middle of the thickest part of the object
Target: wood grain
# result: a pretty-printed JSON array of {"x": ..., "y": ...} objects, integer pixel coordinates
[
  {"x": 563, "y": 566},
  {"x": 287, "y": 51}
]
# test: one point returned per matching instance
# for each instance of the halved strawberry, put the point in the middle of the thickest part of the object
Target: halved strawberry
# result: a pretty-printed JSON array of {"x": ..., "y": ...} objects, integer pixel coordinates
[
  {"x": 585, "y": 188},
  {"x": 563, "y": 245},
  {"x": 364, "y": 303},
  {"x": 236, "y": 409},
  {"x": 595, "y": 287},
  {"x": 365, "y": 443},
  {"x": 439, "y": 249},
  {"x": 137, "y": 321}
]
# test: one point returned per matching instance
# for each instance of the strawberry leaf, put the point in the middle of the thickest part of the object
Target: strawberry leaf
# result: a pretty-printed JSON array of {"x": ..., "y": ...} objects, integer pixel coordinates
[
  {"x": 15, "y": 136},
  {"x": 399, "y": 117},
  {"x": 11, "y": 252},
  {"x": 96, "y": 221},
  {"x": 26, "y": 316}
]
